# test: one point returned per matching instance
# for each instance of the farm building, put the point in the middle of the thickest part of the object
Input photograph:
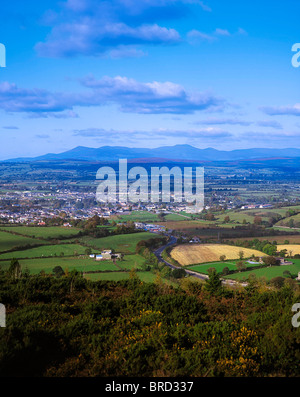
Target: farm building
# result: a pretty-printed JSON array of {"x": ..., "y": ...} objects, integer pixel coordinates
[
  {"x": 283, "y": 262},
  {"x": 195, "y": 240},
  {"x": 106, "y": 254}
]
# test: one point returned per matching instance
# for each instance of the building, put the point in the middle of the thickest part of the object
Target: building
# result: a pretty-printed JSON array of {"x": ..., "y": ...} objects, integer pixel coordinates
[
  {"x": 195, "y": 240},
  {"x": 106, "y": 254}
]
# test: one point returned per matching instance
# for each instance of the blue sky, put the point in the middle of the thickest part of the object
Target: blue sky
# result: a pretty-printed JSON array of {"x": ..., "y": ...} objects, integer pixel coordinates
[{"x": 148, "y": 73}]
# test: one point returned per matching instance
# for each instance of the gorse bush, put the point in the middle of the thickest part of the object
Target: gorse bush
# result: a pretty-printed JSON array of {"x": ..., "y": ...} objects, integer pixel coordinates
[{"x": 69, "y": 326}]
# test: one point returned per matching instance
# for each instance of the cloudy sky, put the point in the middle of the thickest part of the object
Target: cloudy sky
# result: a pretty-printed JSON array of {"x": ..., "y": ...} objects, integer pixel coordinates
[{"x": 148, "y": 73}]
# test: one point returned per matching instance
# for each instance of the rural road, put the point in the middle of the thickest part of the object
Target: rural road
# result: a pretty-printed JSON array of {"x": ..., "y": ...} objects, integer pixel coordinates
[{"x": 159, "y": 251}]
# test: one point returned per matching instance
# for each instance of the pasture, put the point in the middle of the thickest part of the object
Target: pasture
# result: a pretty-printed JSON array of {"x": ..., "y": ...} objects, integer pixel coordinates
[
  {"x": 42, "y": 231},
  {"x": 35, "y": 266},
  {"x": 267, "y": 272},
  {"x": 46, "y": 251},
  {"x": 219, "y": 266},
  {"x": 10, "y": 241},
  {"x": 124, "y": 243},
  {"x": 145, "y": 277}
]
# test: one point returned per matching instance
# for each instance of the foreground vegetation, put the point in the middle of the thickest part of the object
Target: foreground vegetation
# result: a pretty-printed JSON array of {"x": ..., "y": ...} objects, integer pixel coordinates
[{"x": 70, "y": 326}]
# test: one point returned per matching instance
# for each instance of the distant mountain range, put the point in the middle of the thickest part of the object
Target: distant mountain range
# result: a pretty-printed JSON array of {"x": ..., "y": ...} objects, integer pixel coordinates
[{"x": 175, "y": 153}]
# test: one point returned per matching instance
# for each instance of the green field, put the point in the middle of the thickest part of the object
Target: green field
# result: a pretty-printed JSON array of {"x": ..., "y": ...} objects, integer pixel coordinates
[
  {"x": 10, "y": 241},
  {"x": 46, "y": 250},
  {"x": 124, "y": 243},
  {"x": 146, "y": 277},
  {"x": 249, "y": 214},
  {"x": 219, "y": 266},
  {"x": 35, "y": 266},
  {"x": 139, "y": 216},
  {"x": 42, "y": 231},
  {"x": 266, "y": 272},
  {"x": 131, "y": 261}
]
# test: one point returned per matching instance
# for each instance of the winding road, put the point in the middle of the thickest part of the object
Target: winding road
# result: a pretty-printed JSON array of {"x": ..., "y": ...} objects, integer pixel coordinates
[{"x": 173, "y": 241}]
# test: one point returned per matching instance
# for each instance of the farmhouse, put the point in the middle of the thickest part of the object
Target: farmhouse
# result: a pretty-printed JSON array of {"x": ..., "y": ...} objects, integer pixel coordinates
[
  {"x": 283, "y": 262},
  {"x": 106, "y": 254}
]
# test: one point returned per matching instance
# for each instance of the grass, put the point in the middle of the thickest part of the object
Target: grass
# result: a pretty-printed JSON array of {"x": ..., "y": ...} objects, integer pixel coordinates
[
  {"x": 267, "y": 272},
  {"x": 293, "y": 239},
  {"x": 10, "y": 241},
  {"x": 35, "y": 266},
  {"x": 185, "y": 224},
  {"x": 42, "y": 231},
  {"x": 188, "y": 254},
  {"x": 146, "y": 277},
  {"x": 139, "y": 216},
  {"x": 249, "y": 214},
  {"x": 46, "y": 250},
  {"x": 219, "y": 266},
  {"x": 131, "y": 261},
  {"x": 124, "y": 243}
]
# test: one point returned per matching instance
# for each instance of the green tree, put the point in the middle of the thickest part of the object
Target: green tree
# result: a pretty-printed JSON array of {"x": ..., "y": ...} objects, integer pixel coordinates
[
  {"x": 58, "y": 271},
  {"x": 178, "y": 273},
  {"x": 240, "y": 266},
  {"x": 225, "y": 271},
  {"x": 270, "y": 260},
  {"x": 88, "y": 251},
  {"x": 15, "y": 270},
  {"x": 241, "y": 255},
  {"x": 277, "y": 282},
  {"x": 213, "y": 284}
]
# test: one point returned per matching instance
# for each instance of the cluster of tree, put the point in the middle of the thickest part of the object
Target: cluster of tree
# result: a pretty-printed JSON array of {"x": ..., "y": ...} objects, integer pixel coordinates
[{"x": 269, "y": 248}]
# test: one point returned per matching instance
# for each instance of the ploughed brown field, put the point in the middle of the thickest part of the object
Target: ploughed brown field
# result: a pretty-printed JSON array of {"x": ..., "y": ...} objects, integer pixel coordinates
[{"x": 189, "y": 254}]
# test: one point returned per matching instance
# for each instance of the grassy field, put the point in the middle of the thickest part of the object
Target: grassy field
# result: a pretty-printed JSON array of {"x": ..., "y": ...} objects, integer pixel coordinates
[
  {"x": 219, "y": 266},
  {"x": 46, "y": 250},
  {"x": 149, "y": 217},
  {"x": 286, "y": 221},
  {"x": 293, "y": 239},
  {"x": 248, "y": 215},
  {"x": 185, "y": 224},
  {"x": 146, "y": 277},
  {"x": 267, "y": 272},
  {"x": 131, "y": 261},
  {"x": 35, "y": 266},
  {"x": 124, "y": 243},
  {"x": 42, "y": 231},
  {"x": 10, "y": 241},
  {"x": 187, "y": 254},
  {"x": 139, "y": 216}
]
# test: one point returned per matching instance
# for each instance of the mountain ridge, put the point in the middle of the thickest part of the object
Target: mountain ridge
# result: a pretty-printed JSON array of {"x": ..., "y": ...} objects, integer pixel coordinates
[{"x": 176, "y": 152}]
